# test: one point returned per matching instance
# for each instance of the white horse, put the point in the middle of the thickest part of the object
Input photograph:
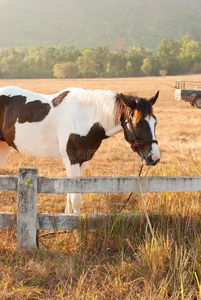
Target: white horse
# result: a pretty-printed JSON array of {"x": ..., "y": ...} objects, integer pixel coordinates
[{"x": 71, "y": 125}]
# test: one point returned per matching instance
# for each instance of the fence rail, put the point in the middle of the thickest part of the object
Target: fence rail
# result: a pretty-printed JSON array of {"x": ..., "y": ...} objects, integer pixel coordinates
[{"x": 28, "y": 185}]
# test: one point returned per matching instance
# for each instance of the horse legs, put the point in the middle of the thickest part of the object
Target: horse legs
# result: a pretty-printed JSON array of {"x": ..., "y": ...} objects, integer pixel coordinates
[
  {"x": 69, "y": 207},
  {"x": 74, "y": 200},
  {"x": 83, "y": 167},
  {"x": 4, "y": 152}
]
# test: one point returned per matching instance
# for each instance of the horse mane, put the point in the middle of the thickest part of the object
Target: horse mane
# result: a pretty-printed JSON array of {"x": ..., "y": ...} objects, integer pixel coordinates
[
  {"x": 103, "y": 102},
  {"x": 109, "y": 105},
  {"x": 143, "y": 108}
]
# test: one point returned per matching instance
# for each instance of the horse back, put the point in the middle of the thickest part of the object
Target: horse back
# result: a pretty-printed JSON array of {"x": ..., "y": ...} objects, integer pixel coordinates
[{"x": 20, "y": 108}]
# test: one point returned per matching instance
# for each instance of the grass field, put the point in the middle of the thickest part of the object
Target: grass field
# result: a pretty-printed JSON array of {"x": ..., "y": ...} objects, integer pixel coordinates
[{"x": 120, "y": 261}]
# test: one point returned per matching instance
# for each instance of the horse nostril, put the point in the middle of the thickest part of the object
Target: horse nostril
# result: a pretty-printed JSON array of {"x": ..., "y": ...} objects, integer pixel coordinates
[
  {"x": 155, "y": 162},
  {"x": 152, "y": 162},
  {"x": 155, "y": 157}
]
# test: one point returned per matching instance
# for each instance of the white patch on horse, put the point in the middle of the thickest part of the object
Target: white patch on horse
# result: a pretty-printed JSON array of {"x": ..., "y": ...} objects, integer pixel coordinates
[
  {"x": 155, "y": 151},
  {"x": 114, "y": 130},
  {"x": 101, "y": 104}
]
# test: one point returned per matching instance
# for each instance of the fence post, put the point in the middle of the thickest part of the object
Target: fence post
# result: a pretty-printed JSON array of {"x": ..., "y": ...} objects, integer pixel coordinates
[{"x": 27, "y": 207}]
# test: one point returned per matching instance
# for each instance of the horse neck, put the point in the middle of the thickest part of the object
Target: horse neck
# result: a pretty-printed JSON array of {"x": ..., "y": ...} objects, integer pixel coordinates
[
  {"x": 120, "y": 113},
  {"x": 111, "y": 121},
  {"x": 113, "y": 130},
  {"x": 103, "y": 108}
]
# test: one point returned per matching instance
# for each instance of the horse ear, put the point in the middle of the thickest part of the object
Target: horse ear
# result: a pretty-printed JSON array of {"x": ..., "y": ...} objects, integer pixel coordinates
[
  {"x": 153, "y": 99},
  {"x": 128, "y": 103}
]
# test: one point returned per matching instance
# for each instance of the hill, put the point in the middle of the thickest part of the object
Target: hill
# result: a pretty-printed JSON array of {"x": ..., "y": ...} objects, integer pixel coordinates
[{"x": 91, "y": 23}]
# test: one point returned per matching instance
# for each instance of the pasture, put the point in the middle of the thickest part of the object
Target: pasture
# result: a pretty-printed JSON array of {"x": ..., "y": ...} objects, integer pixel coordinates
[{"x": 121, "y": 261}]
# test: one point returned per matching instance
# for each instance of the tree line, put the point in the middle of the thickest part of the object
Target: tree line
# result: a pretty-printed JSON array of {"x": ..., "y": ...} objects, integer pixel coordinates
[{"x": 65, "y": 61}]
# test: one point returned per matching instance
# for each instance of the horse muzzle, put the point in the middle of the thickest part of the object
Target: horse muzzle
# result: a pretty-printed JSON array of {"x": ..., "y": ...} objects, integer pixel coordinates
[{"x": 151, "y": 160}]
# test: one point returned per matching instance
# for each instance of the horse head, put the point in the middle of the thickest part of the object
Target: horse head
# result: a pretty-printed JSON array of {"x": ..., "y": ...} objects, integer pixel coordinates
[{"x": 139, "y": 122}]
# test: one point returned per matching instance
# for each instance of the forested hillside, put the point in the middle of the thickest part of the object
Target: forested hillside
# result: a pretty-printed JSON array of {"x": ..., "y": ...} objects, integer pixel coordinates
[{"x": 91, "y": 23}]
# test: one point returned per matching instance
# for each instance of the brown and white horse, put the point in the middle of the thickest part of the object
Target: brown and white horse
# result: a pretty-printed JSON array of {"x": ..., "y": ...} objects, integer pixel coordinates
[{"x": 71, "y": 125}]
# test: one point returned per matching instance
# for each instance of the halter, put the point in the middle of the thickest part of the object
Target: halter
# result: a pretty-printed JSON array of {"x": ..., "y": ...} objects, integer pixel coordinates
[{"x": 137, "y": 143}]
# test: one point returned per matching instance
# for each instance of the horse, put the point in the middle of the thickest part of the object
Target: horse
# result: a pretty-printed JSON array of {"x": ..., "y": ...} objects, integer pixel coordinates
[{"x": 71, "y": 125}]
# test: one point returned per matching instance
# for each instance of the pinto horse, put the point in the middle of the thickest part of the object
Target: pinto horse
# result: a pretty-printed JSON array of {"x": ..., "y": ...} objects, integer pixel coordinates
[{"x": 71, "y": 125}]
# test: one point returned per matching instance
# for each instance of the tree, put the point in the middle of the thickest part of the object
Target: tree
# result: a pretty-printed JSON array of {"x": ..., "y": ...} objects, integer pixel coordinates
[
  {"x": 101, "y": 60},
  {"x": 168, "y": 54},
  {"x": 151, "y": 66},
  {"x": 190, "y": 53},
  {"x": 87, "y": 63},
  {"x": 12, "y": 65},
  {"x": 66, "y": 70},
  {"x": 40, "y": 62},
  {"x": 135, "y": 60},
  {"x": 116, "y": 66},
  {"x": 129, "y": 68}
]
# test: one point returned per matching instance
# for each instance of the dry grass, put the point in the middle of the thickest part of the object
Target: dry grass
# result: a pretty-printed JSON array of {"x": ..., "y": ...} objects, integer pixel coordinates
[{"x": 122, "y": 261}]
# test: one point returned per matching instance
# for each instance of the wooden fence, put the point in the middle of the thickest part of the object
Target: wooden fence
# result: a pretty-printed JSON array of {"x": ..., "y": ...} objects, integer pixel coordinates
[{"x": 28, "y": 185}]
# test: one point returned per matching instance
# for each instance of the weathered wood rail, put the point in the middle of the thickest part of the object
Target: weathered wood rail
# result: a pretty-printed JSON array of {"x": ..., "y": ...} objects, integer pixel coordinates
[{"x": 28, "y": 185}]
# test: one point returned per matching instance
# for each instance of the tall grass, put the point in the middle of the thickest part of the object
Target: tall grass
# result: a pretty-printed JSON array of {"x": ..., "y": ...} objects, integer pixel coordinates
[{"x": 121, "y": 260}]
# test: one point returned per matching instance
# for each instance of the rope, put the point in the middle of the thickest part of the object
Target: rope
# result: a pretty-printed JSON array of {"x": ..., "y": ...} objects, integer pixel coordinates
[
  {"x": 143, "y": 200},
  {"x": 128, "y": 199}
]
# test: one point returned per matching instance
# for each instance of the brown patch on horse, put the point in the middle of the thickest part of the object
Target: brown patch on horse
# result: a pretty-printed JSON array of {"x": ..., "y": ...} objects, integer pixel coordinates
[
  {"x": 56, "y": 101},
  {"x": 9, "y": 109},
  {"x": 141, "y": 110},
  {"x": 34, "y": 111},
  {"x": 121, "y": 110},
  {"x": 82, "y": 148},
  {"x": 13, "y": 109}
]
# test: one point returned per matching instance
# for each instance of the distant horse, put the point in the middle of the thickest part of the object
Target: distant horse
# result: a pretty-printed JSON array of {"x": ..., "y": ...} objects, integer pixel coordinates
[{"x": 71, "y": 125}]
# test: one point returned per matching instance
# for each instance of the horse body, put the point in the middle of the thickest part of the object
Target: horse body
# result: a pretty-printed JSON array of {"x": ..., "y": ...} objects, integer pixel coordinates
[{"x": 70, "y": 125}]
